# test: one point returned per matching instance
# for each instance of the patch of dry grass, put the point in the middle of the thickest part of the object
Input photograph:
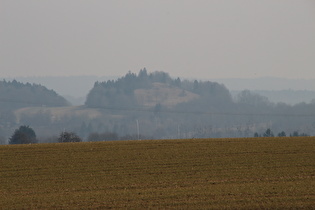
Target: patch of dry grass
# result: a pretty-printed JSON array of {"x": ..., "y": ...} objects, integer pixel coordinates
[
  {"x": 195, "y": 174},
  {"x": 57, "y": 113},
  {"x": 163, "y": 94}
]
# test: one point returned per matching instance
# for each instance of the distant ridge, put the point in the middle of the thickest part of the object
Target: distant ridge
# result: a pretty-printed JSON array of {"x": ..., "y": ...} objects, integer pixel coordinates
[
  {"x": 14, "y": 94},
  {"x": 73, "y": 88},
  {"x": 285, "y": 96},
  {"x": 291, "y": 91},
  {"x": 267, "y": 83},
  {"x": 76, "y": 86}
]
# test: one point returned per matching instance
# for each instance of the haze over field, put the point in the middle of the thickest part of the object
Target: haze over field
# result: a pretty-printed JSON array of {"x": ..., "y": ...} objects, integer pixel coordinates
[
  {"x": 200, "y": 56},
  {"x": 164, "y": 108},
  {"x": 191, "y": 39}
]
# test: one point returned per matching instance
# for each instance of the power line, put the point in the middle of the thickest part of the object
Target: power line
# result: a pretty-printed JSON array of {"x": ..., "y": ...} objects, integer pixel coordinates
[
  {"x": 22, "y": 102},
  {"x": 4, "y": 100},
  {"x": 151, "y": 109}
]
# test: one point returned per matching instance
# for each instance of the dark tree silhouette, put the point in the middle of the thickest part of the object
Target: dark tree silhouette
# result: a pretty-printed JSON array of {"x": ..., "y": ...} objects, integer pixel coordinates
[
  {"x": 69, "y": 137},
  {"x": 282, "y": 134},
  {"x": 268, "y": 133},
  {"x": 23, "y": 135}
]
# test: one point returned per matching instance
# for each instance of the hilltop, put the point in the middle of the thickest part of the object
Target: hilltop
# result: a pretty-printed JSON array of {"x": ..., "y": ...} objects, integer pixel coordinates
[
  {"x": 149, "y": 90},
  {"x": 14, "y": 94}
]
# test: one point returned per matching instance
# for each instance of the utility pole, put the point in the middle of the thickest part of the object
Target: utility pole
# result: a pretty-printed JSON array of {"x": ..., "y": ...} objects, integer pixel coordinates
[{"x": 138, "y": 129}]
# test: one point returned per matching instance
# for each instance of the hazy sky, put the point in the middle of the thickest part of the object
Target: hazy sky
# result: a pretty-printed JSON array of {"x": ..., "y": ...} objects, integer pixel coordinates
[{"x": 187, "y": 38}]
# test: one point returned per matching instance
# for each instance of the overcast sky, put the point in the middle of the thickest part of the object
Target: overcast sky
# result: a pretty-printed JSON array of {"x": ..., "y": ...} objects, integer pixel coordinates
[{"x": 187, "y": 38}]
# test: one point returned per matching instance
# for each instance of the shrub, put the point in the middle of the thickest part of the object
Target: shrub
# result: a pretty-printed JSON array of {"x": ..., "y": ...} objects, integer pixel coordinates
[{"x": 69, "y": 137}]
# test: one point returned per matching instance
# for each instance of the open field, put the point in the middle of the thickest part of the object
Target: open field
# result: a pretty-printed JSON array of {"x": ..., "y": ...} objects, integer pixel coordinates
[
  {"x": 246, "y": 173},
  {"x": 57, "y": 113}
]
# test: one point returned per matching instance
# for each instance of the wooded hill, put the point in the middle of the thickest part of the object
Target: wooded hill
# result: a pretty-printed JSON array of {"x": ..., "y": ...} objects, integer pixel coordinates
[
  {"x": 176, "y": 108},
  {"x": 14, "y": 94},
  {"x": 157, "y": 90}
]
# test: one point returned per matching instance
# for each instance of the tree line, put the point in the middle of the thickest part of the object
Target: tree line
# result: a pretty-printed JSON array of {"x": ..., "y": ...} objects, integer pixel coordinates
[
  {"x": 269, "y": 133},
  {"x": 26, "y": 135}
]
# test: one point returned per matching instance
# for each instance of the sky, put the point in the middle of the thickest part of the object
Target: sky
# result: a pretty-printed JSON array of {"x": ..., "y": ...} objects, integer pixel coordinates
[{"x": 187, "y": 38}]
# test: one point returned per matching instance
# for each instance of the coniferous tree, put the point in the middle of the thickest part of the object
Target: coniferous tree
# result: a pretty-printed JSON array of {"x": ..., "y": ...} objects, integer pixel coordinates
[
  {"x": 282, "y": 134},
  {"x": 268, "y": 133},
  {"x": 23, "y": 135}
]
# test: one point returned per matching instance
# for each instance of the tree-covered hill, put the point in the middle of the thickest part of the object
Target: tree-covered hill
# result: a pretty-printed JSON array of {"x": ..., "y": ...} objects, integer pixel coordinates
[
  {"x": 14, "y": 94},
  {"x": 166, "y": 107},
  {"x": 148, "y": 90}
]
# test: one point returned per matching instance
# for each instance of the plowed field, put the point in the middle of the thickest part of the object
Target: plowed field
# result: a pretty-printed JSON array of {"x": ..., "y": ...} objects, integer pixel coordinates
[{"x": 246, "y": 173}]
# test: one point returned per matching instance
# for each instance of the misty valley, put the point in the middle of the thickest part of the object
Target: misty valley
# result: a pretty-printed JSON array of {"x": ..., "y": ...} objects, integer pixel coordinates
[{"x": 150, "y": 106}]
